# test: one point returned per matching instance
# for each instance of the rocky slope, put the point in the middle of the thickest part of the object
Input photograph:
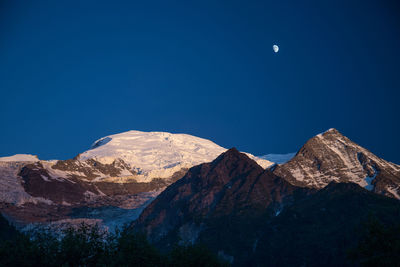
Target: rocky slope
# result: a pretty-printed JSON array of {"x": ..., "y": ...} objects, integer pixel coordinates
[{"x": 330, "y": 156}]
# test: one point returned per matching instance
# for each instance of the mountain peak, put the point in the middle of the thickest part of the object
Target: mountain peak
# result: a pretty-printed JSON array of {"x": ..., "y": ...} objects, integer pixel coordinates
[
  {"x": 232, "y": 150},
  {"x": 234, "y": 159},
  {"x": 231, "y": 153},
  {"x": 331, "y": 156},
  {"x": 330, "y": 132}
]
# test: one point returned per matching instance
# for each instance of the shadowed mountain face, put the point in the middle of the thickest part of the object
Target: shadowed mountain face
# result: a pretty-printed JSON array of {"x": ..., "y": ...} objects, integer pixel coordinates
[
  {"x": 320, "y": 229},
  {"x": 252, "y": 217},
  {"x": 230, "y": 192},
  {"x": 330, "y": 156}
]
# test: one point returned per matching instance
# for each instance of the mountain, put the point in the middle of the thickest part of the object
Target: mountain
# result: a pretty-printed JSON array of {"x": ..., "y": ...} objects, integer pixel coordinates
[
  {"x": 232, "y": 187},
  {"x": 252, "y": 217},
  {"x": 330, "y": 156},
  {"x": 113, "y": 181}
]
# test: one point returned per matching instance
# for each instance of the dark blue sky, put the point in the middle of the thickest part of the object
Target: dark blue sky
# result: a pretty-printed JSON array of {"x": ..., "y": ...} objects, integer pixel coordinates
[{"x": 72, "y": 72}]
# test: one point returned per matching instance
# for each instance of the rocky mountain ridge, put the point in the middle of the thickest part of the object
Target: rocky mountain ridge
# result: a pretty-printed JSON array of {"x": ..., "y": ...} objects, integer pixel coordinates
[{"x": 330, "y": 156}]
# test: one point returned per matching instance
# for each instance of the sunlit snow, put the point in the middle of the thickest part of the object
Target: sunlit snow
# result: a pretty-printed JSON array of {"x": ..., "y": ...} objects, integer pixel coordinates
[{"x": 157, "y": 154}]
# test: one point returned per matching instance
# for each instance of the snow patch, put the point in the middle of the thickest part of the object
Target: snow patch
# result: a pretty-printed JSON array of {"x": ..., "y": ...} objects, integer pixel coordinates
[
  {"x": 45, "y": 178},
  {"x": 278, "y": 158},
  {"x": 393, "y": 191},
  {"x": 278, "y": 212},
  {"x": 369, "y": 180}
]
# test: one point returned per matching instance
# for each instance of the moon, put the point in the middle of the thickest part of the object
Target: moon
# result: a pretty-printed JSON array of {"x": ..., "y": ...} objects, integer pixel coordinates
[{"x": 275, "y": 48}]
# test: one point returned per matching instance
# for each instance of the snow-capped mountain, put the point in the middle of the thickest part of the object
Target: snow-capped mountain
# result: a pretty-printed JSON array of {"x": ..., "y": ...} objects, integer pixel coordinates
[
  {"x": 124, "y": 171},
  {"x": 157, "y": 154},
  {"x": 330, "y": 156},
  {"x": 127, "y": 158}
]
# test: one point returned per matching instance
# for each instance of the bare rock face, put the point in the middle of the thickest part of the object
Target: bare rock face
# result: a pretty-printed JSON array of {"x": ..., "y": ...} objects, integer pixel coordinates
[
  {"x": 41, "y": 192},
  {"x": 330, "y": 156},
  {"x": 37, "y": 182},
  {"x": 231, "y": 186},
  {"x": 90, "y": 169},
  {"x": 73, "y": 182}
]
